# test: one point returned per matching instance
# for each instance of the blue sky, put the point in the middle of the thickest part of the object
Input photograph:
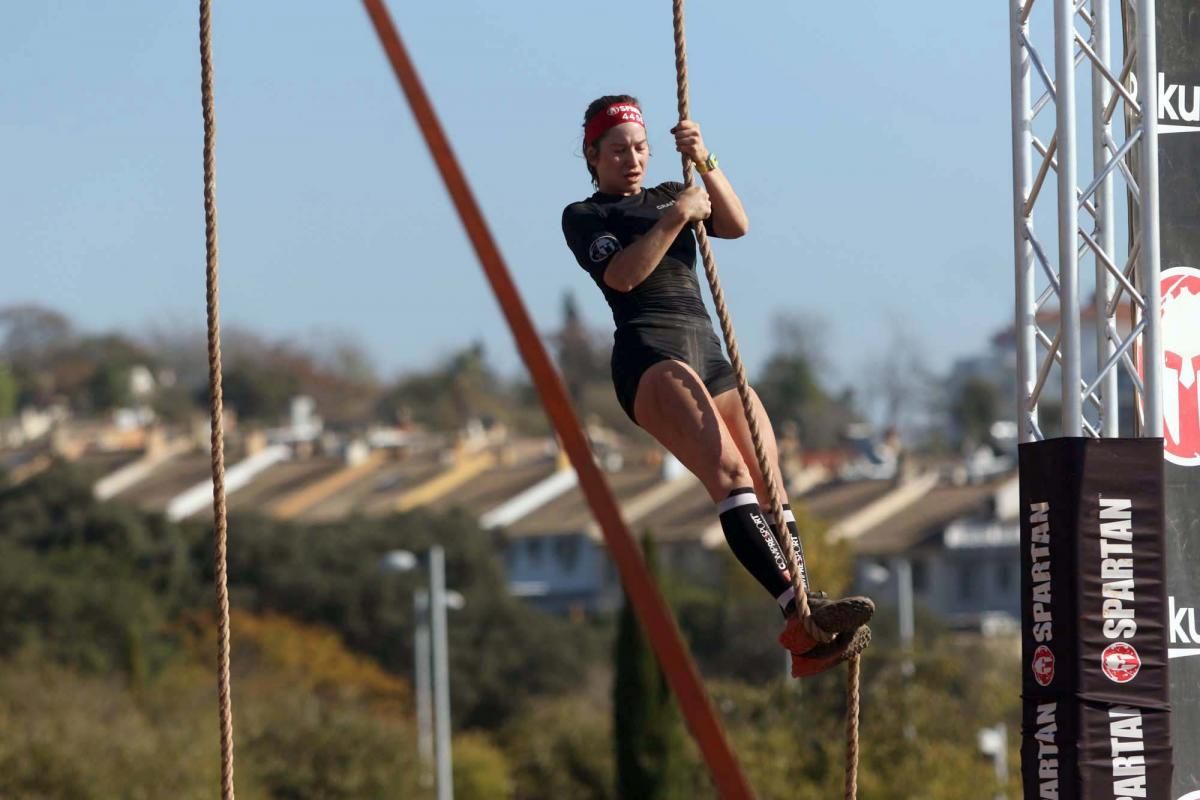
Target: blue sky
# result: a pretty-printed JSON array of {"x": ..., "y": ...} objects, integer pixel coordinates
[{"x": 870, "y": 144}]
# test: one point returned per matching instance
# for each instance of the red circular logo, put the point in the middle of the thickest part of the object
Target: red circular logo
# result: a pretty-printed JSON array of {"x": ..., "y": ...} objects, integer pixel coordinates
[
  {"x": 1043, "y": 665},
  {"x": 1181, "y": 353},
  {"x": 1120, "y": 662}
]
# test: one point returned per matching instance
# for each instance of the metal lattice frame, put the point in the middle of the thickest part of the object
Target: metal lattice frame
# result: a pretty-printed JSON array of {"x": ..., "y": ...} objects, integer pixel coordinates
[{"x": 1082, "y": 33}]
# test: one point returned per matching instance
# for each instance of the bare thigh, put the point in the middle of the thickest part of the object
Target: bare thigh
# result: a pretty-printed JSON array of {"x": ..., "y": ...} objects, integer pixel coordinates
[
  {"x": 729, "y": 406},
  {"x": 673, "y": 406}
]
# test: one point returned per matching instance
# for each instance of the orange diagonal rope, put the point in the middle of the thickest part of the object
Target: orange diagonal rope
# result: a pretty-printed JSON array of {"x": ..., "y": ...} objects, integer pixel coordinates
[
  {"x": 652, "y": 610},
  {"x": 220, "y": 531},
  {"x": 794, "y": 556}
]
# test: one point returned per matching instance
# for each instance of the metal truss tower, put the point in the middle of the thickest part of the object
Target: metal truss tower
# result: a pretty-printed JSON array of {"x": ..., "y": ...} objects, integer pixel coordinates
[{"x": 1068, "y": 44}]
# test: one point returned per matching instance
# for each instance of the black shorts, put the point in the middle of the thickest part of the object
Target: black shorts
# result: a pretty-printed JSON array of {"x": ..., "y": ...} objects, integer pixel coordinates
[{"x": 639, "y": 346}]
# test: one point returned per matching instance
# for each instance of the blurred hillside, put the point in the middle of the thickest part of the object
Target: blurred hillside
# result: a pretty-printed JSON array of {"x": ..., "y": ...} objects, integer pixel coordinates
[
  {"x": 46, "y": 362},
  {"x": 106, "y": 690},
  {"x": 106, "y": 573}
]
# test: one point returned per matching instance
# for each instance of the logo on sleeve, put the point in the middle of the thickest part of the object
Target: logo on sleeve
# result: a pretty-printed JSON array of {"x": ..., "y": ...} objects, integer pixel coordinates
[{"x": 603, "y": 247}]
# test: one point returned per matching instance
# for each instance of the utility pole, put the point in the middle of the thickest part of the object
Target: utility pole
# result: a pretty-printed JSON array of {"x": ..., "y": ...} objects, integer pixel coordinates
[
  {"x": 441, "y": 671},
  {"x": 421, "y": 648},
  {"x": 904, "y": 592}
]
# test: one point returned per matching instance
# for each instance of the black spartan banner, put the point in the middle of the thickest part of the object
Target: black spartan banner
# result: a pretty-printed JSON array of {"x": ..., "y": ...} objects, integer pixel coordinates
[
  {"x": 1178, "y": 42},
  {"x": 1096, "y": 718}
]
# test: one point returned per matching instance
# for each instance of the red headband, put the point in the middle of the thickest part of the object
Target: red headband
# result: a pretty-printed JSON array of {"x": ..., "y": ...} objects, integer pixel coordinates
[{"x": 603, "y": 121}]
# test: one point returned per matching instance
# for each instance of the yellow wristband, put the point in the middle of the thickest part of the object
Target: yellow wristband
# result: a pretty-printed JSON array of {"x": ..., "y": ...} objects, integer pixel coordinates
[{"x": 708, "y": 165}]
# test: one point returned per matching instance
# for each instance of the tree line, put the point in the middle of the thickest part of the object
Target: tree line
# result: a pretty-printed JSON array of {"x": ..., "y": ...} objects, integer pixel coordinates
[
  {"x": 46, "y": 359},
  {"x": 106, "y": 642}
]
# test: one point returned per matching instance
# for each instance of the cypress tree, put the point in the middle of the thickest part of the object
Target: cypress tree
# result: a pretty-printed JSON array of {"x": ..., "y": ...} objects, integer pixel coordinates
[{"x": 646, "y": 721}]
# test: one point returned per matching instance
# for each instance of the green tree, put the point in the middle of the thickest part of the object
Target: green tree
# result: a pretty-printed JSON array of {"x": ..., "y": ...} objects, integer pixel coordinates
[
  {"x": 583, "y": 361},
  {"x": 645, "y": 719},
  {"x": 32, "y": 332},
  {"x": 462, "y": 388},
  {"x": 312, "y": 720},
  {"x": 108, "y": 387},
  {"x": 579, "y": 359},
  {"x": 974, "y": 408},
  {"x": 9, "y": 392},
  {"x": 96, "y": 583},
  {"x": 331, "y": 576},
  {"x": 67, "y": 734},
  {"x": 561, "y": 748},
  {"x": 257, "y": 392},
  {"x": 94, "y": 371},
  {"x": 791, "y": 388},
  {"x": 50, "y": 361},
  {"x": 481, "y": 771},
  {"x": 91, "y": 585}
]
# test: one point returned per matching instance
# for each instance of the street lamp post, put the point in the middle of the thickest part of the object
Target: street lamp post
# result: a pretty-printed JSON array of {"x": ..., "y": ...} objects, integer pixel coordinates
[
  {"x": 904, "y": 592},
  {"x": 430, "y": 645},
  {"x": 901, "y": 570},
  {"x": 878, "y": 575},
  {"x": 441, "y": 672},
  {"x": 994, "y": 742},
  {"x": 421, "y": 651}
]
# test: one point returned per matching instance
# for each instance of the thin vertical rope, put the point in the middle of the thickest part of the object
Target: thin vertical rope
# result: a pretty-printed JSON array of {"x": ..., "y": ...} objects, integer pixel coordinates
[
  {"x": 220, "y": 530},
  {"x": 852, "y": 712},
  {"x": 794, "y": 556}
]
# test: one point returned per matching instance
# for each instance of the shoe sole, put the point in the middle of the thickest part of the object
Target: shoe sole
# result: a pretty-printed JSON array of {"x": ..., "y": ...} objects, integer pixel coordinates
[
  {"x": 842, "y": 616},
  {"x": 858, "y": 643}
]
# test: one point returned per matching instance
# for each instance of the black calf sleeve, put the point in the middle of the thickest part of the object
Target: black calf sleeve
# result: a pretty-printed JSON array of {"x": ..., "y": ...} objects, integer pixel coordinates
[
  {"x": 790, "y": 520},
  {"x": 754, "y": 545}
]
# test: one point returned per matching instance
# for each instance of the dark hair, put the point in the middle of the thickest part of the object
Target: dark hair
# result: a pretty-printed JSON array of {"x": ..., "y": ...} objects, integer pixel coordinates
[{"x": 596, "y": 106}]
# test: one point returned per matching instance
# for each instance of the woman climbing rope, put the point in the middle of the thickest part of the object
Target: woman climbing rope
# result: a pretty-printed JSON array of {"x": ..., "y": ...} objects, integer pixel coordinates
[{"x": 670, "y": 374}]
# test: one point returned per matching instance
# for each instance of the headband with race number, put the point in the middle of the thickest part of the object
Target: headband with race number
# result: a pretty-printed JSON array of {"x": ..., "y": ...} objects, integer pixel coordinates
[{"x": 603, "y": 121}]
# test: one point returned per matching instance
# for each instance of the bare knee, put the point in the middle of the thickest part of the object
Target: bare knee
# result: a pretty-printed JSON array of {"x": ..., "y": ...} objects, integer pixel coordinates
[{"x": 731, "y": 473}]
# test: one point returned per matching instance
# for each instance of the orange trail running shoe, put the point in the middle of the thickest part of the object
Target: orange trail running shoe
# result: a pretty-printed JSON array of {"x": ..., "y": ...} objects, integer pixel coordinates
[{"x": 826, "y": 656}]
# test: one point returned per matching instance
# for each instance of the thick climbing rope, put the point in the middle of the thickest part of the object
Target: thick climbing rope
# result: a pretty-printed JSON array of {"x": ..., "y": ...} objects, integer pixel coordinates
[
  {"x": 220, "y": 529},
  {"x": 794, "y": 556},
  {"x": 852, "y": 699}
]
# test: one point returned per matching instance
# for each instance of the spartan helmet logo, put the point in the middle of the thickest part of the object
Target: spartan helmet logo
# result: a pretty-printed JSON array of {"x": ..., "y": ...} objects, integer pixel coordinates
[
  {"x": 1120, "y": 662},
  {"x": 1181, "y": 349},
  {"x": 1043, "y": 665}
]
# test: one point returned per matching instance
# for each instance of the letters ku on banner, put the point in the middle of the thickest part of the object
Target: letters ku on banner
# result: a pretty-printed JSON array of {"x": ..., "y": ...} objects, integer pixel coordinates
[{"x": 1096, "y": 718}]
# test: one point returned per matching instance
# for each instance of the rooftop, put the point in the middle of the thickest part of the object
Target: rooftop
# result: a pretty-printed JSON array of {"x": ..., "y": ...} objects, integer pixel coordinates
[
  {"x": 927, "y": 517},
  {"x": 570, "y": 513}
]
